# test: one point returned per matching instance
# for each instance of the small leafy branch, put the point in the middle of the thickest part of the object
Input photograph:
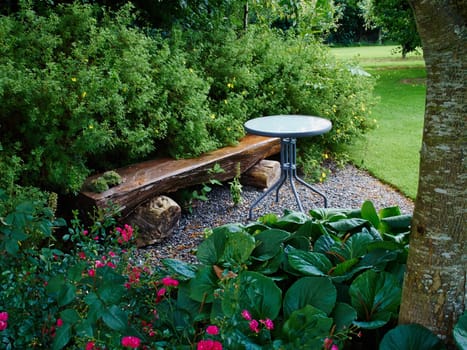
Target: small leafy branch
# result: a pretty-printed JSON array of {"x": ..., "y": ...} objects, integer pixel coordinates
[
  {"x": 188, "y": 196},
  {"x": 236, "y": 187}
]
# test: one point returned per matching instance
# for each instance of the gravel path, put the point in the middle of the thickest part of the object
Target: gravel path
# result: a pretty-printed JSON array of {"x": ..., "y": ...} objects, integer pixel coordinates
[{"x": 348, "y": 187}]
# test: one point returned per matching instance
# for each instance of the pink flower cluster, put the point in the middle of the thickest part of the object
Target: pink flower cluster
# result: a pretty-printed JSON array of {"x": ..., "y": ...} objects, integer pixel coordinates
[
  {"x": 131, "y": 342},
  {"x": 126, "y": 233},
  {"x": 168, "y": 282},
  {"x": 134, "y": 275},
  {"x": 103, "y": 261},
  {"x": 209, "y": 344},
  {"x": 3, "y": 320},
  {"x": 254, "y": 324}
]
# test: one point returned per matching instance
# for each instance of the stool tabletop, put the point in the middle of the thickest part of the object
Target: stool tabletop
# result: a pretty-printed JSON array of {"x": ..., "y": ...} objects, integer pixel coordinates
[{"x": 288, "y": 126}]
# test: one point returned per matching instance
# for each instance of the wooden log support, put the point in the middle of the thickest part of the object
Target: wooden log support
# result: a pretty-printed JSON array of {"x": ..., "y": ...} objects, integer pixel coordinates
[
  {"x": 262, "y": 175},
  {"x": 145, "y": 180}
]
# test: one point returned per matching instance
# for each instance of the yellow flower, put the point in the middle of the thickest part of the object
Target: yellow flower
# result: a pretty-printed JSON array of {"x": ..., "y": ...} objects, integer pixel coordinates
[
  {"x": 91, "y": 126},
  {"x": 230, "y": 85},
  {"x": 73, "y": 79},
  {"x": 213, "y": 116},
  {"x": 83, "y": 95}
]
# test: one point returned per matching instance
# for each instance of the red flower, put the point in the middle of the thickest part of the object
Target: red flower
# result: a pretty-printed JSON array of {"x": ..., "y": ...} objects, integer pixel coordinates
[
  {"x": 268, "y": 323},
  {"x": 160, "y": 294},
  {"x": 212, "y": 330},
  {"x": 91, "y": 272},
  {"x": 246, "y": 315},
  {"x": 59, "y": 322},
  {"x": 131, "y": 342},
  {"x": 169, "y": 282},
  {"x": 3, "y": 320},
  {"x": 90, "y": 345},
  {"x": 327, "y": 343},
  {"x": 209, "y": 344},
  {"x": 254, "y": 326}
]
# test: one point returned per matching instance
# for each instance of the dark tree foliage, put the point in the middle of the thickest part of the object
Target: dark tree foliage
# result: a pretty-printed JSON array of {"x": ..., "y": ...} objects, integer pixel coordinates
[
  {"x": 396, "y": 19},
  {"x": 351, "y": 26}
]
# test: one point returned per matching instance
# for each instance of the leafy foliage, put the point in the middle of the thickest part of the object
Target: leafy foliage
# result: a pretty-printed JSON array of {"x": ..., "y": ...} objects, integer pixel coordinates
[
  {"x": 85, "y": 90},
  {"x": 301, "y": 281}
]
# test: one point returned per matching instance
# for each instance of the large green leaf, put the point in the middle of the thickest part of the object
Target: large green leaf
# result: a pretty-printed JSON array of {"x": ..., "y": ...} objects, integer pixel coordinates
[
  {"x": 460, "y": 332},
  {"x": 369, "y": 213},
  {"x": 62, "y": 336},
  {"x": 254, "y": 292},
  {"x": 269, "y": 243},
  {"x": 347, "y": 225},
  {"x": 67, "y": 294},
  {"x": 307, "y": 327},
  {"x": 238, "y": 248},
  {"x": 346, "y": 270},
  {"x": 343, "y": 315},
  {"x": 211, "y": 249},
  {"x": 316, "y": 291},
  {"x": 70, "y": 316},
  {"x": 410, "y": 337},
  {"x": 389, "y": 211},
  {"x": 270, "y": 266},
  {"x": 323, "y": 244},
  {"x": 376, "y": 297},
  {"x": 291, "y": 220},
  {"x": 309, "y": 263},
  {"x": 181, "y": 269},
  {"x": 396, "y": 224},
  {"x": 354, "y": 247},
  {"x": 115, "y": 318},
  {"x": 228, "y": 244},
  {"x": 202, "y": 287}
]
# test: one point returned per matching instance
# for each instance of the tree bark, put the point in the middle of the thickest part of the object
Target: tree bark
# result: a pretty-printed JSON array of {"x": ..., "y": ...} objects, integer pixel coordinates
[{"x": 435, "y": 285}]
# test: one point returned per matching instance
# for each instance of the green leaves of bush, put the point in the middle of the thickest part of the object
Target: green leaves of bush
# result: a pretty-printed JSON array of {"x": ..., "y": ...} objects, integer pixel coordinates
[{"x": 84, "y": 90}]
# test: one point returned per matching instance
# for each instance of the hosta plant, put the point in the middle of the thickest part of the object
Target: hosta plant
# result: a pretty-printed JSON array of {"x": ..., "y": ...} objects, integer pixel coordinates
[{"x": 321, "y": 280}]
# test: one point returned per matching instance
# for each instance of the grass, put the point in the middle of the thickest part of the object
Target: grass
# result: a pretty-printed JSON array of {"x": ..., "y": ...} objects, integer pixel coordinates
[{"x": 391, "y": 151}]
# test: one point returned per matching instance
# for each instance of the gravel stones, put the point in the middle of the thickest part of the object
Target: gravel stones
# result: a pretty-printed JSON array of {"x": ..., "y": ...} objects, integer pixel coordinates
[{"x": 347, "y": 187}]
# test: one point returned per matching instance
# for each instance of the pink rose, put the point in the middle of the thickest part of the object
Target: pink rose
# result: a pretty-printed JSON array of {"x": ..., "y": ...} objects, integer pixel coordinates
[
  {"x": 254, "y": 326},
  {"x": 212, "y": 330},
  {"x": 209, "y": 344},
  {"x": 246, "y": 315},
  {"x": 268, "y": 323},
  {"x": 169, "y": 282},
  {"x": 3, "y": 320},
  {"x": 131, "y": 342}
]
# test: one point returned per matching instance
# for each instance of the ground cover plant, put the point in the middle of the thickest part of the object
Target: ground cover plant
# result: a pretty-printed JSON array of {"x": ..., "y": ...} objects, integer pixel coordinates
[
  {"x": 329, "y": 279},
  {"x": 391, "y": 150}
]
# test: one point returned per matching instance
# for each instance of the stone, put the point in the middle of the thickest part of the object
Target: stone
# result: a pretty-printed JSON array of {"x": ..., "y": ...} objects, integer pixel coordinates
[
  {"x": 263, "y": 174},
  {"x": 155, "y": 220}
]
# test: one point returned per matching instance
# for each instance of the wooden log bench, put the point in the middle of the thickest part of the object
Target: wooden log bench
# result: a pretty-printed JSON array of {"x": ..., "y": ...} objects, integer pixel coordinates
[{"x": 145, "y": 180}]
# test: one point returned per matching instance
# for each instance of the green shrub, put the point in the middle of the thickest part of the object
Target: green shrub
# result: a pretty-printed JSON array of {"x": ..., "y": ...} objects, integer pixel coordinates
[
  {"x": 84, "y": 90},
  {"x": 77, "y": 89}
]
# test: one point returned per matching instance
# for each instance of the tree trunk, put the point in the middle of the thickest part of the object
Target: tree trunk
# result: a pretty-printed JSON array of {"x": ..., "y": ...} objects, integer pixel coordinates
[{"x": 435, "y": 285}]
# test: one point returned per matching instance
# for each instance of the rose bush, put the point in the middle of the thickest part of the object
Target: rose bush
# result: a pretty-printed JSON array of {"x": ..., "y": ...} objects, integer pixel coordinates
[{"x": 326, "y": 280}]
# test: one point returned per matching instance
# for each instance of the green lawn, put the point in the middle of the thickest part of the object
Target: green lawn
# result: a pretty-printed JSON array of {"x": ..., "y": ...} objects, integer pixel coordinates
[{"x": 391, "y": 151}]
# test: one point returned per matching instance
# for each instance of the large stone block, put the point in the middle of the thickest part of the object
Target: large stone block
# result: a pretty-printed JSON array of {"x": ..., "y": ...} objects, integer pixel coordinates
[{"x": 155, "y": 220}]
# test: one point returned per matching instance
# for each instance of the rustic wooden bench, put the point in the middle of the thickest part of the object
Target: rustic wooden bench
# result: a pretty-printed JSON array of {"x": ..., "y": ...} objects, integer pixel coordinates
[{"x": 145, "y": 180}]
